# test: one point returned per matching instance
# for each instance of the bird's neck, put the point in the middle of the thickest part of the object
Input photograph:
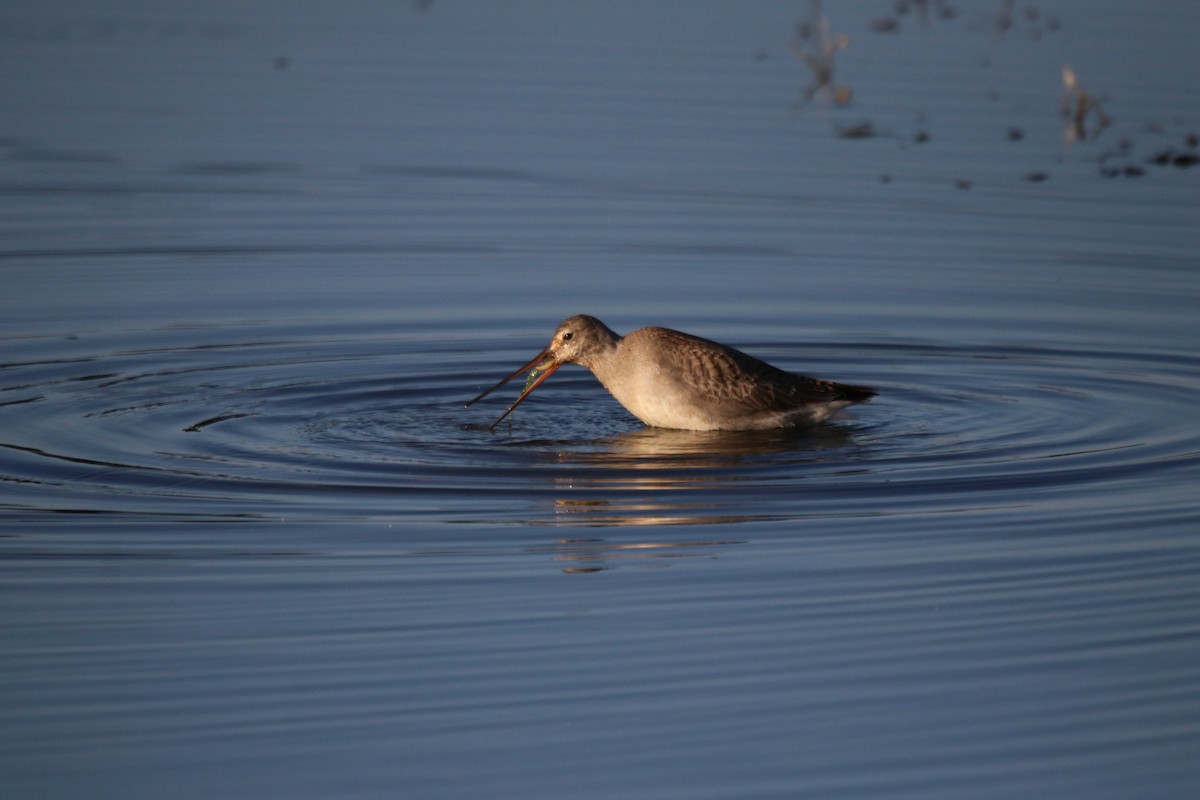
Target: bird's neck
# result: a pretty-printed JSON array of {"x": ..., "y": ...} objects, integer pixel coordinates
[{"x": 602, "y": 356}]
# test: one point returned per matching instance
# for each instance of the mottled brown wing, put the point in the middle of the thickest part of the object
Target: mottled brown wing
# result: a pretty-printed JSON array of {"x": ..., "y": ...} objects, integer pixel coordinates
[{"x": 729, "y": 376}]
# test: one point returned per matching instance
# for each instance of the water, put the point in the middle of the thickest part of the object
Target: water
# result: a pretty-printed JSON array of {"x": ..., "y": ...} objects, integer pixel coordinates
[{"x": 256, "y": 258}]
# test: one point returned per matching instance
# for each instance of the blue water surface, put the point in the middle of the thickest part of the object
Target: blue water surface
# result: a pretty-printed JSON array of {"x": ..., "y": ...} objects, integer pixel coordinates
[{"x": 255, "y": 258}]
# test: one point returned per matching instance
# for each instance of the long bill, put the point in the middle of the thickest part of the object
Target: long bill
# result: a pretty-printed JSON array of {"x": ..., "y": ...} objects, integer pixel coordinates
[
  {"x": 539, "y": 358},
  {"x": 535, "y": 364},
  {"x": 528, "y": 391}
]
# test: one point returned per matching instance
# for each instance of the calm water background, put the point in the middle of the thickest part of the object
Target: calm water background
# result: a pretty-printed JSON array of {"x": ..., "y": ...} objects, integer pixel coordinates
[{"x": 254, "y": 257}]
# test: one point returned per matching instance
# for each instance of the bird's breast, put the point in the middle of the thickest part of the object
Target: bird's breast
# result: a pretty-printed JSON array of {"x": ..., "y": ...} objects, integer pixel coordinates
[{"x": 658, "y": 399}]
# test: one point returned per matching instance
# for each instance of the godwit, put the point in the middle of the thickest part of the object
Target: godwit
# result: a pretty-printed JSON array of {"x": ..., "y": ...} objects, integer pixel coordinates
[{"x": 669, "y": 379}]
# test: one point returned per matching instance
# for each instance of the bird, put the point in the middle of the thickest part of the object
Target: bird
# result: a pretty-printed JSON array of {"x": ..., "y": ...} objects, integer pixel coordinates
[{"x": 669, "y": 379}]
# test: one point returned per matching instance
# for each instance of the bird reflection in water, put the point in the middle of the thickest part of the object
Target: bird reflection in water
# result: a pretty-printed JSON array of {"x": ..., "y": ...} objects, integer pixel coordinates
[{"x": 657, "y": 477}]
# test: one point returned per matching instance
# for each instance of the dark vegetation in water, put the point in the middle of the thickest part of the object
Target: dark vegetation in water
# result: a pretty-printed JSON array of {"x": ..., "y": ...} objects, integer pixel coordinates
[{"x": 1084, "y": 118}]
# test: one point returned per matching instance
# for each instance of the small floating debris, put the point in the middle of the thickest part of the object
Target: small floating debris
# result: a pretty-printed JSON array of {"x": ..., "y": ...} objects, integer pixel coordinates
[
  {"x": 1015, "y": 134},
  {"x": 1183, "y": 158},
  {"x": 817, "y": 48},
  {"x": 1037, "y": 176},
  {"x": 885, "y": 25},
  {"x": 1003, "y": 20},
  {"x": 962, "y": 184},
  {"x": 1078, "y": 106},
  {"x": 1175, "y": 158},
  {"x": 1035, "y": 21},
  {"x": 921, "y": 137},
  {"x": 1127, "y": 171},
  {"x": 862, "y": 130},
  {"x": 1118, "y": 162}
]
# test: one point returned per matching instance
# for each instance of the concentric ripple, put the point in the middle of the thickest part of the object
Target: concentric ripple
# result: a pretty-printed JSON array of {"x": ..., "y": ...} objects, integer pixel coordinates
[{"x": 366, "y": 424}]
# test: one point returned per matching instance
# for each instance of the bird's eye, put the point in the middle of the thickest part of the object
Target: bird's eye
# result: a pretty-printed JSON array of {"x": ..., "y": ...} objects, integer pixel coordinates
[{"x": 568, "y": 336}]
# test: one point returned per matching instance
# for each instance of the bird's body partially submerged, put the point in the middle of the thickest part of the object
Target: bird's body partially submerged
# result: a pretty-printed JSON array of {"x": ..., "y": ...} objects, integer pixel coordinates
[{"x": 669, "y": 379}]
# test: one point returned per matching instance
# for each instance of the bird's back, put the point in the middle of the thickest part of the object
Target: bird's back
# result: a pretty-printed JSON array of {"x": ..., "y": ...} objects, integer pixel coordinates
[{"x": 737, "y": 389}]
